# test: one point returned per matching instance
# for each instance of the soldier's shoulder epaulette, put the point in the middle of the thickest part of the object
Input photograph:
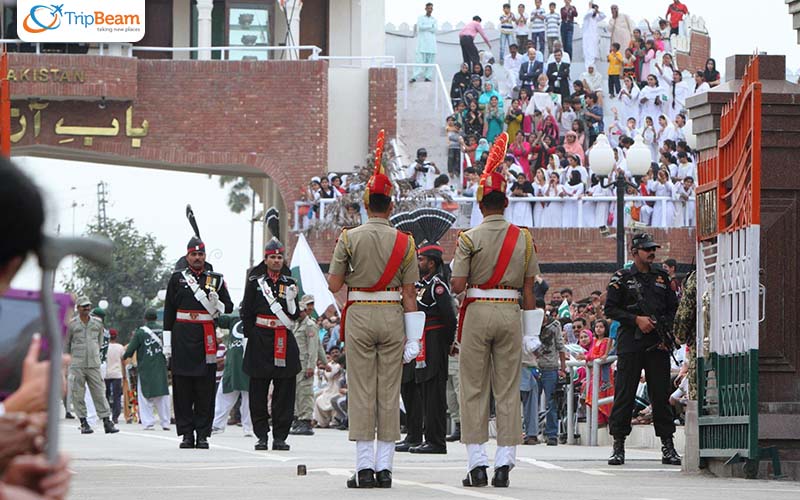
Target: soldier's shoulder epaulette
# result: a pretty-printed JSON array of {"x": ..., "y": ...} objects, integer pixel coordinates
[
  {"x": 464, "y": 238},
  {"x": 617, "y": 277},
  {"x": 287, "y": 279}
]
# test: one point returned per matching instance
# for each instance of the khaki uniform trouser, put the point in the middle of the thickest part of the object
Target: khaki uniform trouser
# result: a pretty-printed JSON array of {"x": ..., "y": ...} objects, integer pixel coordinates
[
  {"x": 453, "y": 389},
  {"x": 79, "y": 378},
  {"x": 491, "y": 352},
  {"x": 374, "y": 340},
  {"x": 304, "y": 397}
]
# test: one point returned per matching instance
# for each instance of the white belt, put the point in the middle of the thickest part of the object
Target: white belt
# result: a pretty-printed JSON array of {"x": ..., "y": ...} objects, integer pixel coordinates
[
  {"x": 269, "y": 323},
  {"x": 194, "y": 316},
  {"x": 492, "y": 293},
  {"x": 385, "y": 296}
]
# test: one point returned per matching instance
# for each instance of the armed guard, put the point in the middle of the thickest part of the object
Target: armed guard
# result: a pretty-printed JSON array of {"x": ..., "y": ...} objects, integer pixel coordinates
[
  {"x": 269, "y": 310},
  {"x": 641, "y": 300},
  {"x": 196, "y": 296}
]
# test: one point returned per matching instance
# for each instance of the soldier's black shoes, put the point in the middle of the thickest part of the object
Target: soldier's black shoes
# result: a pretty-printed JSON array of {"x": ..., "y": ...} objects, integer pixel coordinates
[
  {"x": 383, "y": 479},
  {"x": 429, "y": 449},
  {"x": 279, "y": 445},
  {"x": 188, "y": 441},
  {"x": 668, "y": 454},
  {"x": 262, "y": 445},
  {"x": 108, "y": 426},
  {"x": 476, "y": 477},
  {"x": 303, "y": 428},
  {"x": 456, "y": 435},
  {"x": 365, "y": 478},
  {"x": 618, "y": 454},
  {"x": 405, "y": 445},
  {"x": 85, "y": 427},
  {"x": 202, "y": 443},
  {"x": 500, "y": 478}
]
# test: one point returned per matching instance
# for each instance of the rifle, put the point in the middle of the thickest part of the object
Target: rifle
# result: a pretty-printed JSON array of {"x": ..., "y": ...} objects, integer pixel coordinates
[{"x": 664, "y": 332}]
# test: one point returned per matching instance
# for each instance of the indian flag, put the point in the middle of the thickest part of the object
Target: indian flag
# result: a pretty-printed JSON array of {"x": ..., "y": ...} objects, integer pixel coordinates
[
  {"x": 310, "y": 279},
  {"x": 563, "y": 310}
]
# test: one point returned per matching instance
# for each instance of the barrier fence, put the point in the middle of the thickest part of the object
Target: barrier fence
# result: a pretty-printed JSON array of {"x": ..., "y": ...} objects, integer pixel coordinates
[{"x": 593, "y": 418}]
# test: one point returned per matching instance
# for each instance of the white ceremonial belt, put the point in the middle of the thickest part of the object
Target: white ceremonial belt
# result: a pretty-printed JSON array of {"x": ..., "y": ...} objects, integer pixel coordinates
[
  {"x": 194, "y": 316},
  {"x": 385, "y": 296},
  {"x": 492, "y": 293},
  {"x": 269, "y": 322}
]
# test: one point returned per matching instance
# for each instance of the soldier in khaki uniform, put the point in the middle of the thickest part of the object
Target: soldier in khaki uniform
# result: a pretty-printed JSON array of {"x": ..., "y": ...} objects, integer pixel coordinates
[
  {"x": 378, "y": 264},
  {"x": 311, "y": 353},
  {"x": 84, "y": 337},
  {"x": 492, "y": 262}
]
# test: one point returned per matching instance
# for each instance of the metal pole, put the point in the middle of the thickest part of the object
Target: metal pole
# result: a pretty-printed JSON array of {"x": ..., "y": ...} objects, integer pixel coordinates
[
  {"x": 621, "y": 185},
  {"x": 405, "y": 87},
  {"x": 252, "y": 225},
  {"x": 595, "y": 398},
  {"x": 570, "y": 407}
]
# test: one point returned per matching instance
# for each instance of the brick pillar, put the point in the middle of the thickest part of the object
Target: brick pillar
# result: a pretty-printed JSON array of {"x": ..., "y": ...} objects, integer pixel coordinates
[{"x": 382, "y": 102}]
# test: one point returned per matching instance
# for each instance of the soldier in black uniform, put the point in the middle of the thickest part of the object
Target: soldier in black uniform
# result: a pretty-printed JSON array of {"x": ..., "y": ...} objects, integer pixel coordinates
[
  {"x": 639, "y": 347},
  {"x": 269, "y": 310},
  {"x": 190, "y": 308},
  {"x": 433, "y": 298},
  {"x": 411, "y": 393}
]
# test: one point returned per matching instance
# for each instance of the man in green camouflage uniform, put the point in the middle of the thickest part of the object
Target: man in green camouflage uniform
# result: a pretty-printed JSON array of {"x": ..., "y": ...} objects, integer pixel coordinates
[{"x": 685, "y": 328}]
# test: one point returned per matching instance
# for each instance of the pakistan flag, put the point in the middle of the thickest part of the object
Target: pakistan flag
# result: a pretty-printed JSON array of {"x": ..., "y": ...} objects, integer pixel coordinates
[{"x": 309, "y": 276}]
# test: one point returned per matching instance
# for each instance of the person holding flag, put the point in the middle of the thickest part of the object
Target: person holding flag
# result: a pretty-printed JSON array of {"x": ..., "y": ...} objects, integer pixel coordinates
[
  {"x": 492, "y": 262},
  {"x": 380, "y": 326},
  {"x": 151, "y": 367}
]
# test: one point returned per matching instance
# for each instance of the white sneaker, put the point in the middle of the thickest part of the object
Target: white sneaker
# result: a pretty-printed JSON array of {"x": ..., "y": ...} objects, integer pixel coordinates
[{"x": 150, "y": 428}]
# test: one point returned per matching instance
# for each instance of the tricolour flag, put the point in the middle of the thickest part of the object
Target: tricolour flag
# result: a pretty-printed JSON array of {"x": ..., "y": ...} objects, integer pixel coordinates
[
  {"x": 310, "y": 278},
  {"x": 563, "y": 310}
]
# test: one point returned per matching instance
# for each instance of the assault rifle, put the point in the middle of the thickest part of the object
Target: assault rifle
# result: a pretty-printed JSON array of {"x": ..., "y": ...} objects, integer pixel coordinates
[{"x": 662, "y": 329}]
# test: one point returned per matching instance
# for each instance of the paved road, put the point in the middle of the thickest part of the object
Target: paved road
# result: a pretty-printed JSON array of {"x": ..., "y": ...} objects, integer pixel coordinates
[{"x": 135, "y": 464}]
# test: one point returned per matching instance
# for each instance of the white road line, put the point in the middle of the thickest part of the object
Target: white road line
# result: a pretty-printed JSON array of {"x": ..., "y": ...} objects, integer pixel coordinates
[
  {"x": 540, "y": 463},
  {"x": 462, "y": 492}
]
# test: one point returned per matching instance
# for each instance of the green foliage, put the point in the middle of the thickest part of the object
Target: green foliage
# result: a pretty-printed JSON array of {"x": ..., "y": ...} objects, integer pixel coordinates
[
  {"x": 138, "y": 269},
  {"x": 239, "y": 194}
]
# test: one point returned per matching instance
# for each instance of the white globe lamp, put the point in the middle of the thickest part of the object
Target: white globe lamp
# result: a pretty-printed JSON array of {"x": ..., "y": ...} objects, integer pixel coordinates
[
  {"x": 601, "y": 156},
  {"x": 126, "y": 301},
  {"x": 691, "y": 139},
  {"x": 639, "y": 157},
  {"x": 103, "y": 304}
]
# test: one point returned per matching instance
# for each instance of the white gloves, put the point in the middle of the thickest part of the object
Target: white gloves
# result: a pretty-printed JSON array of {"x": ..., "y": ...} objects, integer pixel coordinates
[
  {"x": 291, "y": 294},
  {"x": 531, "y": 327},
  {"x": 167, "y": 336},
  {"x": 414, "y": 326},
  {"x": 213, "y": 299}
]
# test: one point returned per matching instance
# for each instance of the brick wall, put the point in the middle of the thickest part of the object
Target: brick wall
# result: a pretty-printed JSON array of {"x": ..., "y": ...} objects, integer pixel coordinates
[
  {"x": 382, "y": 102},
  {"x": 112, "y": 77},
  {"x": 700, "y": 52}
]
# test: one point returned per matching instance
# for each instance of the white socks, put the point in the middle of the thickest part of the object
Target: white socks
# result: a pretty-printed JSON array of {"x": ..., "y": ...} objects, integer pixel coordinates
[
  {"x": 505, "y": 455},
  {"x": 365, "y": 455},
  {"x": 384, "y": 456}
]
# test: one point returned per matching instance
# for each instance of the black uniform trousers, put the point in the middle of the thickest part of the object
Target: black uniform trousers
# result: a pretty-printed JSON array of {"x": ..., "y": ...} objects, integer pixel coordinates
[
  {"x": 412, "y": 402},
  {"x": 434, "y": 397},
  {"x": 193, "y": 401},
  {"x": 656, "y": 365},
  {"x": 282, "y": 406}
]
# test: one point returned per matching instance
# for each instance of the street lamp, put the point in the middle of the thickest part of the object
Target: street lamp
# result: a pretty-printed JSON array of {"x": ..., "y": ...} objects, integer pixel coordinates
[
  {"x": 601, "y": 160},
  {"x": 103, "y": 304},
  {"x": 126, "y": 301}
]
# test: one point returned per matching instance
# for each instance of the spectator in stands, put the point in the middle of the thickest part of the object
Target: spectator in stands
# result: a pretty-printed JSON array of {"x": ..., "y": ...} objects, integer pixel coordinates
[
  {"x": 474, "y": 121},
  {"x": 592, "y": 80},
  {"x": 422, "y": 172},
  {"x": 426, "y": 44},
  {"x": 466, "y": 38},
  {"x": 614, "y": 70},
  {"x": 488, "y": 77},
  {"x": 621, "y": 28},
  {"x": 685, "y": 208},
  {"x": 564, "y": 55},
  {"x": 565, "y": 118},
  {"x": 558, "y": 76},
  {"x": 700, "y": 83},
  {"x": 538, "y": 26},
  {"x": 460, "y": 84},
  {"x": 506, "y": 30},
  {"x": 521, "y": 149},
  {"x": 512, "y": 63},
  {"x": 591, "y": 34},
  {"x": 326, "y": 191},
  {"x": 493, "y": 119},
  {"x": 454, "y": 143},
  {"x": 594, "y": 117},
  {"x": 473, "y": 93},
  {"x": 675, "y": 13},
  {"x": 552, "y": 23},
  {"x": 514, "y": 118},
  {"x": 568, "y": 15},
  {"x": 710, "y": 74},
  {"x": 489, "y": 91},
  {"x": 521, "y": 29},
  {"x": 530, "y": 70},
  {"x": 663, "y": 212}
]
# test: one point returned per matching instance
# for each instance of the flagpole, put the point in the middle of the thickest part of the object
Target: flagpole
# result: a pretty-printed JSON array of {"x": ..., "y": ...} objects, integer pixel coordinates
[{"x": 5, "y": 107}]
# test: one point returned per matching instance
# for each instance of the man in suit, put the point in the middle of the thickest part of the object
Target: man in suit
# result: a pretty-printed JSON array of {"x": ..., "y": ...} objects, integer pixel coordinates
[
  {"x": 529, "y": 71},
  {"x": 558, "y": 76}
]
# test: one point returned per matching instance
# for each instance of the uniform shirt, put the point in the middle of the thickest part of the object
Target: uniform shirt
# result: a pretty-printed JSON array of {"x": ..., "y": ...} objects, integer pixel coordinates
[
  {"x": 151, "y": 365},
  {"x": 114, "y": 360},
  {"x": 621, "y": 305},
  {"x": 478, "y": 249},
  {"x": 84, "y": 341},
  {"x": 309, "y": 343},
  {"x": 434, "y": 299},
  {"x": 361, "y": 255}
]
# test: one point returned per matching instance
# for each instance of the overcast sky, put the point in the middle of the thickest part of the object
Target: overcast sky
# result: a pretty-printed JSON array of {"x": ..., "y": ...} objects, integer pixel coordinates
[{"x": 735, "y": 27}]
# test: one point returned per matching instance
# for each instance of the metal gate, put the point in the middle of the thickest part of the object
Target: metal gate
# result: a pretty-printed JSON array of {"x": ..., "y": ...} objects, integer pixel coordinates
[{"x": 728, "y": 233}]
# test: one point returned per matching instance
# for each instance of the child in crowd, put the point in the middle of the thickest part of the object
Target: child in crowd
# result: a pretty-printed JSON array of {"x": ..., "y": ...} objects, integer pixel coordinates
[{"x": 614, "y": 70}]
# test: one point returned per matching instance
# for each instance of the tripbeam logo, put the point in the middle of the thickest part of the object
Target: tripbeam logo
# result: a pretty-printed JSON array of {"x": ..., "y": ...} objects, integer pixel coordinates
[{"x": 81, "y": 21}]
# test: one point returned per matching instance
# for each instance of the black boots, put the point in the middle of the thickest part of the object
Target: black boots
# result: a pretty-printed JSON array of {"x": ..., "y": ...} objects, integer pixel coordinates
[
  {"x": 201, "y": 443},
  {"x": 618, "y": 455},
  {"x": 108, "y": 426},
  {"x": 188, "y": 441},
  {"x": 383, "y": 479},
  {"x": 278, "y": 445},
  {"x": 365, "y": 478},
  {"x": 303, "y": 428},
  {"x": 262, "y": 445},
  {"x": 476, "y": 477},
  {"x": 85, "y": 427},
  {"x": 668, "y": 454},
  {"x": 456, "y": 435},
  {"x": 500, "y": 478}
]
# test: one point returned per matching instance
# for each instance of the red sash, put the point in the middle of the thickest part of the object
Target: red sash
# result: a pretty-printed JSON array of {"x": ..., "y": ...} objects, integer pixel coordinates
[
  {"x": 392, "y": 266},
  {"x": 503, "y": 259},
  {"x": 280, "y": 342},
  {"x": 209, "y": 332},
  {"x": 422, "y": 356}
]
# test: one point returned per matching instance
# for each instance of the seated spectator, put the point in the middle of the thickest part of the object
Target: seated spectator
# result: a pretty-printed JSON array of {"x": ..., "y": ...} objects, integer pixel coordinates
[
  {"x": 710, "y": 74},
  {"x": 460, "y": 84},
  {"x": 592, "y": 79}
]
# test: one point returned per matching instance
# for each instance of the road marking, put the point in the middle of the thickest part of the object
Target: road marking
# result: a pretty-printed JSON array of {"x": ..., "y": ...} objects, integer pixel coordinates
[
  {"x": 462, "y": 492},
  {"x": 540, "y": 463},
  {"x": 594, "y": 472}
]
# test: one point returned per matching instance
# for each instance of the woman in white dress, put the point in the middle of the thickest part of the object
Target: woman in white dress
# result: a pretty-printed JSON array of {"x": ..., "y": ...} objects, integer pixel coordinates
[
  {"x": 649, "y": 136},
  {"x": 521, "y": 211},
  {"x": 599, "y": 215},
  {"x": 539, "y": 187},
  {"x": 629, "y": 100},
  {"x": 664, "y": 71},
  {"x": 662, "y": 186},
  {"x": 573, "y": 190},
  {"x": 650, "y": 99},
  {"x": 551, "y": 217},
  {"x": 662, "y": 131}
]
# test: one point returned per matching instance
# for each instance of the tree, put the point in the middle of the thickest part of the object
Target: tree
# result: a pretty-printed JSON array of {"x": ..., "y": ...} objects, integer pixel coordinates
[
  {"x": 138, "y": 269},
  {"x": 239, "y": 194}
]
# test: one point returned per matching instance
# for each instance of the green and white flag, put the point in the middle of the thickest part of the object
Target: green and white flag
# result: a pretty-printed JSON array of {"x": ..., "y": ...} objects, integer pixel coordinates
[
  {"x": 309, "y": 276},
  {"x": 563, "y": 310}
]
